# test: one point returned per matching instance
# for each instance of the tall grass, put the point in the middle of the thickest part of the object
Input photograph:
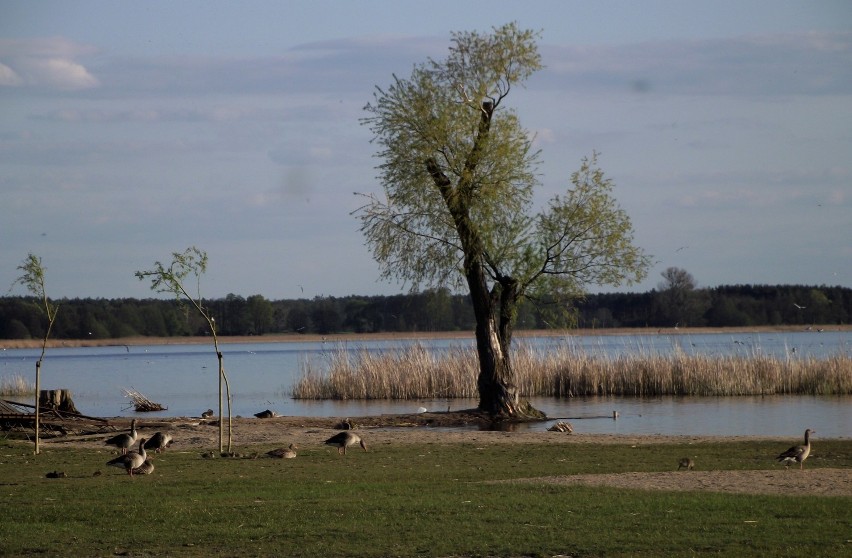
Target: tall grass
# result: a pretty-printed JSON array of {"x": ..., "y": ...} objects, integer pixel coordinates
[
  {"x": 16, "y": 385},
  {"x": 417, "y": 373}
]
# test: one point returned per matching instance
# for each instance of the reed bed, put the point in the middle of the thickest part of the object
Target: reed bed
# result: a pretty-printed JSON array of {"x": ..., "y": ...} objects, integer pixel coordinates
[
  {"x": 408, "y": 373},
  {"x": 418, "y": 373},
  {"x": 16, "y": 385}
]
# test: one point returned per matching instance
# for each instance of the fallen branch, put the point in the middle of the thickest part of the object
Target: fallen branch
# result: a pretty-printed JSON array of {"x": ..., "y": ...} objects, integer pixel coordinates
[{"x": 141, "y": 403}]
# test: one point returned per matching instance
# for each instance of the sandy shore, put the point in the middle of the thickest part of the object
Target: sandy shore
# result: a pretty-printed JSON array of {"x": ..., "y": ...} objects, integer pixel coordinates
[
  {"x": 340, "y": 337},
  {"x": 253, "y": 437}
]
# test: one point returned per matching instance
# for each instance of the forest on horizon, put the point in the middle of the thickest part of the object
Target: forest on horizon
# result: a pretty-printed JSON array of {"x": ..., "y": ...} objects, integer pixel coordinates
[{"x": 428, "y": 311}]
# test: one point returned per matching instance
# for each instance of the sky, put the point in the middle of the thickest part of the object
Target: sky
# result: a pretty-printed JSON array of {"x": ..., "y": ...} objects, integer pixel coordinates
[{"x": 132, "y": 130}]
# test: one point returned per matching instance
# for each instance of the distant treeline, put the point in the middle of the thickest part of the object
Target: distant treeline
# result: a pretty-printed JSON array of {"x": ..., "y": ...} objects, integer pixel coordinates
[{"x": 433, "y": 310}]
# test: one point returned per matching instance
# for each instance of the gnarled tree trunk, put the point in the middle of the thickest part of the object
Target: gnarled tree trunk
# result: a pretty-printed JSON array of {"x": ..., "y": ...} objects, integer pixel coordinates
[{"x": 57, "y": 400}]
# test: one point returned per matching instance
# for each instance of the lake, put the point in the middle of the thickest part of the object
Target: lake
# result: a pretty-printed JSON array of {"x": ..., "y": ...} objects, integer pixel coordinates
[{"x": 184, "y": 379}]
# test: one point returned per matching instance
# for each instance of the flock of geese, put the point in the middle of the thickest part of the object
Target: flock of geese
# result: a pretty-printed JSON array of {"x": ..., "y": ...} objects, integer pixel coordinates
[{"x": 138, "y": 463}]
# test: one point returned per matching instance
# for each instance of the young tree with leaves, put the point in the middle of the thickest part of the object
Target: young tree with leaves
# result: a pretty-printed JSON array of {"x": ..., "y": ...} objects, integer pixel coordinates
[
  {"x": 171, "y": 280},
  {"x": 459, "y": 173},
  {"x": 33, "y": 279}
]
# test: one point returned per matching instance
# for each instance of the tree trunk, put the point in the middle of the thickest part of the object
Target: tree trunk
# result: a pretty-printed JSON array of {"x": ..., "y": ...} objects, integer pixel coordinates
[
  {"x": 498, "y": 395},
  {"x": 57, "y": 400}
]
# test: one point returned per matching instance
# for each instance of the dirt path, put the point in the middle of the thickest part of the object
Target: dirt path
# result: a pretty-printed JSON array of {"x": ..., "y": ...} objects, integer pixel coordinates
[{"x": 812, "y": 482}]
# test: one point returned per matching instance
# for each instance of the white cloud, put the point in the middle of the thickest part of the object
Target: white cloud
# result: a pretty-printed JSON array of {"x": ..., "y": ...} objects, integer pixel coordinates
[
  {"x": 8, "y": 77},
  {"x": 811, "y": 63},
  {"x": 47, "y": 63}
]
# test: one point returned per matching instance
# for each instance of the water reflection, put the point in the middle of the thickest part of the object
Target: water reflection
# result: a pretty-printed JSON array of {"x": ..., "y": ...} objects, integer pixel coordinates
[{"x": 184, "y": 379}]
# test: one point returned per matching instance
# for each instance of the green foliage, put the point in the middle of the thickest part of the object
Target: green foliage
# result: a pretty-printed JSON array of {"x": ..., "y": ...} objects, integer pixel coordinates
[
  {"x": 459, "y": 174},
  {"x": 193, "y": 261},
  {"x": 434, "y": 116},
  {"x": 171, "y": 279},
  {"x": 429, "y": 310},
  {"x": 406, "y": 500},
  {"x": 33, "y": 279}
]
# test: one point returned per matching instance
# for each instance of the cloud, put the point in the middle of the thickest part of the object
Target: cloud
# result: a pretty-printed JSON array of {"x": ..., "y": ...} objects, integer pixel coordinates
[
  {"x": 8, "y": 77},
  {"x": 804, "y": 63},
  {"x": 49, "y": 63}
]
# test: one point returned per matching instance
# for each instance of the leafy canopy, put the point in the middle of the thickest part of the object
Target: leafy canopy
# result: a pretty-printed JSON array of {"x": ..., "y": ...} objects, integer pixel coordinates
[
  {"x": 32, "y": 278},
  {"x": 450, "y": 116}
]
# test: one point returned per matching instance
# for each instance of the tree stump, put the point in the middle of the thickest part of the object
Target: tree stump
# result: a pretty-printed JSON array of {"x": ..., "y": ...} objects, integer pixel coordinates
[{"x": 57, "y": 400}]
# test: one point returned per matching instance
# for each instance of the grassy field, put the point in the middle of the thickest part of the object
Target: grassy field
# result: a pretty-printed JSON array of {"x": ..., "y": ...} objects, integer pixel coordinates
[{"x": 408, "y": 500}]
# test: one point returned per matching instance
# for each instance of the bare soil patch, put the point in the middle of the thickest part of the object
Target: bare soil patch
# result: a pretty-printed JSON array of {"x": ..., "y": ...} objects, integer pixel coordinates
[
  {"x": 253, "y": 434},
  {"x": 812, "y": 482}
]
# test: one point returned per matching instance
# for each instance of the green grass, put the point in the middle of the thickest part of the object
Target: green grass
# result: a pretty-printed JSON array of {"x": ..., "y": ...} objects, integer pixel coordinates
[{"x": 406, "y": 500}]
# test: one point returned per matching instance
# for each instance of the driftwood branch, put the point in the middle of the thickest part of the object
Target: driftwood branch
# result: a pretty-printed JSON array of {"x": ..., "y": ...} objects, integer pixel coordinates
[{"x": 141, "y": 403}]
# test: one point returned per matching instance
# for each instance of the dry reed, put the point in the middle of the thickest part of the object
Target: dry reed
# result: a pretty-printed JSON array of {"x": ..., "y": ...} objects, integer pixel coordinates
[
  {"x": 418, "y": 373},
  {"x": 16, "y": 385}
]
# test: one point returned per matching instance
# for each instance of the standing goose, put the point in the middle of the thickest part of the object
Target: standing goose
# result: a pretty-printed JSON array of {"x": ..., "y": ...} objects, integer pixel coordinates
[
  {"x": 131, "y": 460},
  {"x": 158, "y": 442},
  {"x": 798, "y": 453},
  {"x": 343, "y": 440},
  {"x": 284, "y": 453},
  {"x": 124, "y": 441}
]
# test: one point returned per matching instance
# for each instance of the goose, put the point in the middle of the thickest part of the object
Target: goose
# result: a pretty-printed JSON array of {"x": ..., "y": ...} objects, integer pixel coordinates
[
  {"x": 131, "y": 460},
  {"x": 145, "y": 469},
  {"x": 343, "y": 440},
  {"x": 284, "y": 453},
  {"x": 124, "y": 441},
  {"x": 158, "y": 442},
  {"x": 685, "y": 463},
  {"x": 798, "y": 453},
  {"x": 207, "y": 414}
]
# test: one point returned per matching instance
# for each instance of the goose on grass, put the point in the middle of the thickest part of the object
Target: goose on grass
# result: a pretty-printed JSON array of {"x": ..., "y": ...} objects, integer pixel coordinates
[
  {"x": 130, "y": 460},
  {"x": 798, "y": 454},
  {"x": 283, "y": 453},
  {"x": 158, "y": 442},
  {"x": 124, "y": 441},
  {"x": 343, "y": 440}
]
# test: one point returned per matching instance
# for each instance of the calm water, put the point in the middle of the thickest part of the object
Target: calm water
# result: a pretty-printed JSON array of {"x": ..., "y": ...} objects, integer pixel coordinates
[{"x": 184, "y": 378}]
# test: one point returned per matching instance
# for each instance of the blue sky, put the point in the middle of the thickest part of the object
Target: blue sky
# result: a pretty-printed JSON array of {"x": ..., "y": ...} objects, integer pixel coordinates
[{"x": 129, "y": 130}]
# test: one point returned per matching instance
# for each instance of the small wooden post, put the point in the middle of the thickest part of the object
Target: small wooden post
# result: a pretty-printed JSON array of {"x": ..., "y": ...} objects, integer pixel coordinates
[{"x": 37, "y": 398}]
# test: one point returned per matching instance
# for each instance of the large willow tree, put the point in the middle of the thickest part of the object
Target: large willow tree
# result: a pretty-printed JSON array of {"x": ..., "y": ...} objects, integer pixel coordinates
[{"x": 459, "y": 173}]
